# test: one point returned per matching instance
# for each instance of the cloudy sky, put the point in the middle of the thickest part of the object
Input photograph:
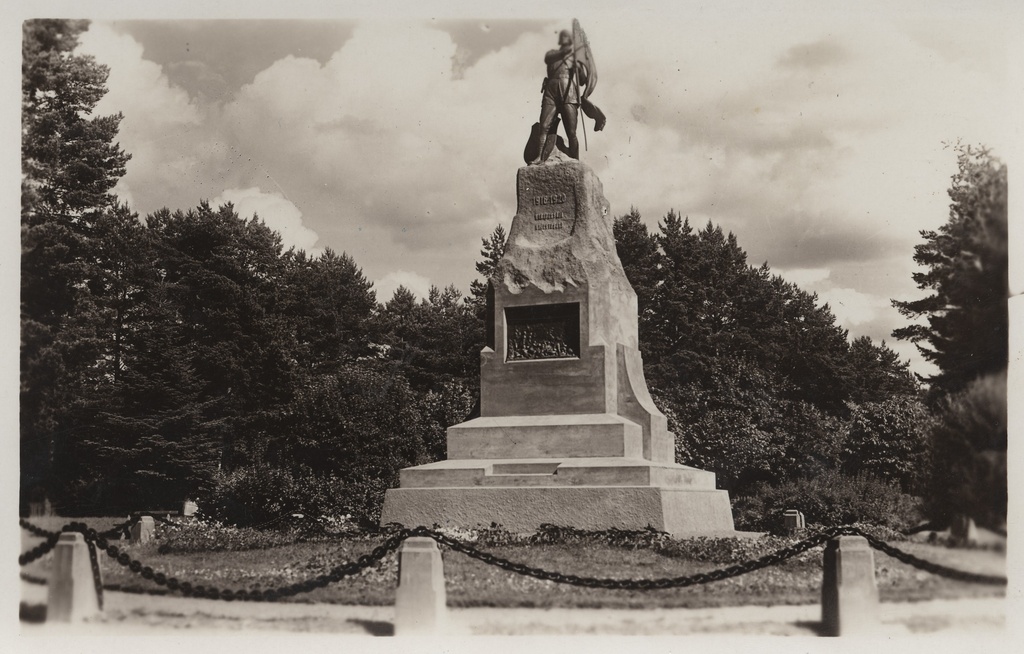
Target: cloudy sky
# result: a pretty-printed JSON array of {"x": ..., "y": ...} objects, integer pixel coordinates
[{"x": 819, "y": 137}]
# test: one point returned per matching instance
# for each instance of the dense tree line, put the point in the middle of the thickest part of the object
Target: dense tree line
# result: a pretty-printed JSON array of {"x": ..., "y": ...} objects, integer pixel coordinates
[
  {"x": 187, "y": 353},
  {"x": 759, "y": 383}
]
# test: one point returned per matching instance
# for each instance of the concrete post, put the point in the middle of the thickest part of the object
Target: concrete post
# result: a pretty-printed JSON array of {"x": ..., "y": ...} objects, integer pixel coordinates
[
  {"x": 849, "y": 596},
  {"x": 420, "y": 603},
  {"x": 963, "y": 531},
  {"x": 142, "y": 531},
  {"x": 71, "y": 596}
]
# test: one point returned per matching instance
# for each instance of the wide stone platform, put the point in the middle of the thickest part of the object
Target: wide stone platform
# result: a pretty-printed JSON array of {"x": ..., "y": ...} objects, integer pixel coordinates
[{"x": 568, "y": 433}]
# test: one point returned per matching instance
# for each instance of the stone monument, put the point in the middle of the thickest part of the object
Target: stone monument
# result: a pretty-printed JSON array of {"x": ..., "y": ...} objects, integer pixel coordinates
[{"x": 567, "y": 433}]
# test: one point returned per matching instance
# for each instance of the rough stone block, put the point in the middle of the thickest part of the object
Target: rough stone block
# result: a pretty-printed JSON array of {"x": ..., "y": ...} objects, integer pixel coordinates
[
  {"x": 189, "y": 508},
  {"x": 849, "y": 595},
  {"x": 71, "y": 595},
  {"x": 142, "y": 531},
  {"x": 420, "y": 602}
]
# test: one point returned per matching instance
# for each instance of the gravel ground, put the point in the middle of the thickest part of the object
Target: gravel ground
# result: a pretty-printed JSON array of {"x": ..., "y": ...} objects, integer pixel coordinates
[{"x": 133, "y": 614}]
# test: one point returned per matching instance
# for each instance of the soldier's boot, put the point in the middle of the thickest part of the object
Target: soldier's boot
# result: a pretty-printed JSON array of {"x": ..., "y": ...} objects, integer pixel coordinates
[{"x": 541, "y": 155}]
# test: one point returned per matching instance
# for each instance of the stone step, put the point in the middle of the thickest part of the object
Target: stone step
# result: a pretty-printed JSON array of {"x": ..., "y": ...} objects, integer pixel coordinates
[
  {"x": 523, "y": 509},
  {"x": 554, "y": 437},
  {"x": 540, "y": 468},
  {"x": 575, "y": 472}
]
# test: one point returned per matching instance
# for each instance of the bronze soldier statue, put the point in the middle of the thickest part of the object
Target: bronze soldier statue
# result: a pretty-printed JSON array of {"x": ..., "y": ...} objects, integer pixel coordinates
[{"x": 562, "y": 98}]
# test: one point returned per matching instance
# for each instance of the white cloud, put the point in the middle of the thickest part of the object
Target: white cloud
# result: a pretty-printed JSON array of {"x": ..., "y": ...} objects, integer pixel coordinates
[
  {"x": 276, "y": 212},
  {"x": 805, "y": 278},
  {"x": 851, "y": 307},
  {"x": 815, "y": 136},
  {"x": 386, "y": 286},
  {"x": 160, "y": 123}
]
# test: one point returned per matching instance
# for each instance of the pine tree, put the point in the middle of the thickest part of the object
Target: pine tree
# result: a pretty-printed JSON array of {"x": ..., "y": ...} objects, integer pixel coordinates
[
  {"x": 329, "y": 304},
  {"x": 70, "y": 161},
  {"x": 967, "y": 335},
  {"x": 70, "y": 164},
  {"x": 642, "y": 262},
  {"x": 492, "y": 252}
]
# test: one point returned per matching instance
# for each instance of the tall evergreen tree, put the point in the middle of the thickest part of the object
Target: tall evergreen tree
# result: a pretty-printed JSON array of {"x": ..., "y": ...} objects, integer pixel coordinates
[
  {"x": 641, "y": 260},
  {"x": 70, "y": 164},
  {"x": 967, "y": 331},
  {"x": 492, "y": 252},
  {"x": 224, "y": 274},
  {"x": 329, "y": 304}
]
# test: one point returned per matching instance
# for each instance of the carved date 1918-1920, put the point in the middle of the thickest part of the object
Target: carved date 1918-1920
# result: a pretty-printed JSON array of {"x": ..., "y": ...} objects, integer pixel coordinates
[
  {"x": 541, "y": 200},
  {"x": 550, "y": 219}
]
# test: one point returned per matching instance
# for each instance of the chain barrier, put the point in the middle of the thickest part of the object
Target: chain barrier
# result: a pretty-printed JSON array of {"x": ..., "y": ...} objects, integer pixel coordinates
[
  {"x": 635, "y": 584},
  {"x": 934, "y": 568},
  {"x": 97, "y": 577},
  {"x": 209, "y": 592},
  {"x": 39, "y": 550},
  {"x": 394, "y": 542}
]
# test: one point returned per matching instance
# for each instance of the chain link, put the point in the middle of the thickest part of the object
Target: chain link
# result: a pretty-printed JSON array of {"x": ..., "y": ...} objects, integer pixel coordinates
[
  {"x": 32, "y": 579},
  {"x": 39, "y": 550}
]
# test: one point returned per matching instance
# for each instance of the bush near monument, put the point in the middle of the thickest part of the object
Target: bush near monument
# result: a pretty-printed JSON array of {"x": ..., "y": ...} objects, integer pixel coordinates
[
  {"x": 967, "y": 467},
  {"x": 831, "y": 498}
]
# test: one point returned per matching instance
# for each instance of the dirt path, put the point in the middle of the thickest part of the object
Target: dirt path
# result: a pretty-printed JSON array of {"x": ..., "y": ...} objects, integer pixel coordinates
[{"x": 129, "y": 613}]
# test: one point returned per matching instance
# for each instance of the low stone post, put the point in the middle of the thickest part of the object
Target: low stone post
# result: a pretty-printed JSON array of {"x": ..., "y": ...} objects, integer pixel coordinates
[
  {"x": 849, "y": 595},
  {"x": 142, "y": 531},
  {"x": 963, "y": 531},
  {"x": 71, "y": 596},
  {"x": 420, "y": 603},
  {"x": 793, "y": 521}
]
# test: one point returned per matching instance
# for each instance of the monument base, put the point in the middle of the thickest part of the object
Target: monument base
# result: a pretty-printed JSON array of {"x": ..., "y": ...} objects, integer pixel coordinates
[{"x": 594, "y": 494}]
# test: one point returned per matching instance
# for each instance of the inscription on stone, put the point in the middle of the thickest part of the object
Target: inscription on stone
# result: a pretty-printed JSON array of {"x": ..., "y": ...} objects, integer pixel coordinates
[
  {"x": 550, "y": 331},
  {"x": 549, "y": 218},
  {"x": 541, "y": 200}
]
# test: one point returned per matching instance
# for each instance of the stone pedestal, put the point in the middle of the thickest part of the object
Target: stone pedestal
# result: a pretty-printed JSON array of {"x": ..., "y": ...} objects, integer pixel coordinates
[
  {"x": 420, "y": 601},
  {"x": 142, "y": 531},
  {"x": 849, "y": 595},
  {"x": 568, "y": 433},
  {"x": 71, "y": 592}
]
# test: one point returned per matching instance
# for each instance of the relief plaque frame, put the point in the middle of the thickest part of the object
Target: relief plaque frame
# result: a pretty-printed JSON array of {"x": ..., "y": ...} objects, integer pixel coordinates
[{"x": 542, "y": 331}]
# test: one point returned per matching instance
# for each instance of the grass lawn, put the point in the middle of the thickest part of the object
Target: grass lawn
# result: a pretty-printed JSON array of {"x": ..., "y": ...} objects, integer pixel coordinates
[{"x": 472, "y": 583}]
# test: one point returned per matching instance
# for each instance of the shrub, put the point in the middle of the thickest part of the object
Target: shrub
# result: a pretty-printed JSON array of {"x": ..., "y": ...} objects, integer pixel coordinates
[
  {"x": 349, "y": 433},
  {"x": 206, "y": 535},
  {"x": 710, "y": 550},
  {"x": 265, "y": 496},
  {"x": 967, "y": 470},
  {"x": 831, "y": 498},
  {"x": 887, "y": 440}
]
